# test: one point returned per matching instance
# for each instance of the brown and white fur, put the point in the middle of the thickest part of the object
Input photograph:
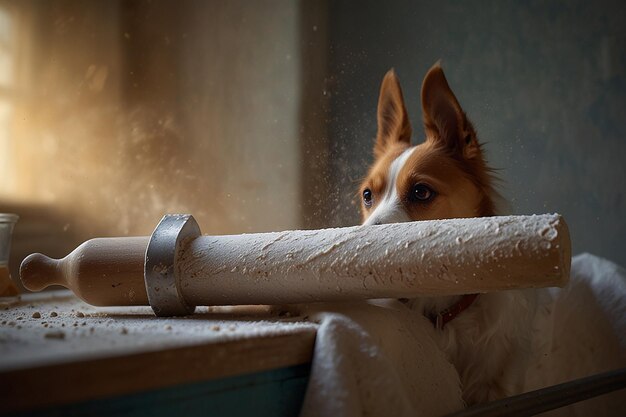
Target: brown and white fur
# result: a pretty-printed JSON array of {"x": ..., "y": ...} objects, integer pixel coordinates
[
  {"x": 446, "y": 176},
  {"x": 507, "y": 342}
]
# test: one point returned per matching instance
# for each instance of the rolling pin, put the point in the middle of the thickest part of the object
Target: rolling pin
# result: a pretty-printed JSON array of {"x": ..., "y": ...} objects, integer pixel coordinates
[{"x": 177, "y": 268}]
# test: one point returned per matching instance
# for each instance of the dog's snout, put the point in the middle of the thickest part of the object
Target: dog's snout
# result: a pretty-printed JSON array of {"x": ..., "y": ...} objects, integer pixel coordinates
[
  {"x": 373, "y": 221},
  {"x": 385, "y": 214}
]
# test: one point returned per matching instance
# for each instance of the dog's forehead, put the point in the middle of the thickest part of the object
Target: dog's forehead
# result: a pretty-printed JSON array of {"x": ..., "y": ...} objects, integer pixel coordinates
[
  {"x": 424, "y": 161},
  {"x": 430, "y": 165},
  {"x": 377, "y": 175},
  {"x": 427, "y": 160},
  {"x": 396, "y": 160}
]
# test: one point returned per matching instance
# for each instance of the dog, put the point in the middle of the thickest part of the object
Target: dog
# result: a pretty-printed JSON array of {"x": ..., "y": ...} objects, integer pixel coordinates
[
  {"x": 447, "y": 176},
  {"x": 492, "y": 339}
]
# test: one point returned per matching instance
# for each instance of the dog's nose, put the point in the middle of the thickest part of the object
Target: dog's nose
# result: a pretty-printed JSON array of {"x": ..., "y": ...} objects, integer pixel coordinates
[{"x": 373, "y": 221}]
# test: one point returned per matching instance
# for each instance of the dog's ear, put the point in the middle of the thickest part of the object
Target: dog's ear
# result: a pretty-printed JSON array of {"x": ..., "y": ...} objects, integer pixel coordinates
[
  {"x": 393, "y": 121},
  {"x": 444, "y": 119}
]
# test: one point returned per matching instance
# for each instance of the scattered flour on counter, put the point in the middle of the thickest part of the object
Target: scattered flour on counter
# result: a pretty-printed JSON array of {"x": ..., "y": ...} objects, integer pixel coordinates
[{"x": 103, "y": 331}]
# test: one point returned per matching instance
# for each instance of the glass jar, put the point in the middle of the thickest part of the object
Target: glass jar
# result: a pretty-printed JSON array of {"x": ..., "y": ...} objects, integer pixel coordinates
[{"x": 7, "y": 222}]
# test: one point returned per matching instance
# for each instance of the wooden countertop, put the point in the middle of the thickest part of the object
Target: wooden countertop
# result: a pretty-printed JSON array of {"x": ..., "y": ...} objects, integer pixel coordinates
[{"x": 55, "y": 349}]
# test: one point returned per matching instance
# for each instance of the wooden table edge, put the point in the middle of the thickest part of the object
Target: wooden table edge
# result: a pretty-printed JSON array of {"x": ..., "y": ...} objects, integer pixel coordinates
[{"x": 57, "y": 384}]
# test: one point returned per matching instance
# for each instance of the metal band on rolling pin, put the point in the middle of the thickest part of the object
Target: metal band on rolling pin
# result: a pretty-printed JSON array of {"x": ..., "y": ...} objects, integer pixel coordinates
[{"x": 161, "y": 271}]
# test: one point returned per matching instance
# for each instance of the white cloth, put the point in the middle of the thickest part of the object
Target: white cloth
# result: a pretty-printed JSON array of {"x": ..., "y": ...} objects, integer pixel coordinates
[
  {"x": 378, "y": 360},
  {"x": 582, "y": 331}
]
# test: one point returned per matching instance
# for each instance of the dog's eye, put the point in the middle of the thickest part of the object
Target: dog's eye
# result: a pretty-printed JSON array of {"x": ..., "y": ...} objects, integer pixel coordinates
[
  {"x": 421, "y": 193},
  {"x": 367, "y": 197}
]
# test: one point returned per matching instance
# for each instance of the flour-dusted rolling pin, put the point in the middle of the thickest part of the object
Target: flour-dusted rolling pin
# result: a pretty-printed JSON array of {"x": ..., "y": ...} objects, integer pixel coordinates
[{"x": 176, "y": 268}]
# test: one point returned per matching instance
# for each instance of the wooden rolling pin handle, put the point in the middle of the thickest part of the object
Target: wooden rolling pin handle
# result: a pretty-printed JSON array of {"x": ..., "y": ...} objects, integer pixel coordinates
[
  {"x": 101, "y": 271},
  {"x": 122, "y": 271},
  {"x": 39, "y": 272}
]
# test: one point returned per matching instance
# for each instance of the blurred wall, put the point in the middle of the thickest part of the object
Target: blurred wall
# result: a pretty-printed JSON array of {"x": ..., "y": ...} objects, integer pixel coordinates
[
  {"x": 543, "y": 82},
  {"x": 126, "y": 110}
]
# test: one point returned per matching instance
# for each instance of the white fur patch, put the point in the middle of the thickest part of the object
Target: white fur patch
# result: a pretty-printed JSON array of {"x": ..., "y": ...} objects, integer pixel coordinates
[{"x": 390, "y": 209}]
